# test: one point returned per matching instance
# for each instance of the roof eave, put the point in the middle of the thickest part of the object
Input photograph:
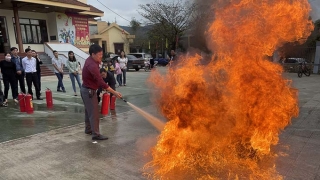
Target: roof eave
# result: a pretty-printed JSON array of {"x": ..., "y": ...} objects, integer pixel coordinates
[
  {"x": 57, "y": 4},
  {"x": 93, "y": 14}
]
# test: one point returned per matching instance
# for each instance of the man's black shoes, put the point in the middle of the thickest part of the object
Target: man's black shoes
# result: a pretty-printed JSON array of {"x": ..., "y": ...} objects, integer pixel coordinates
[
  {"x": 88, "y": 133},
  {"x": 100, "y": 137}
]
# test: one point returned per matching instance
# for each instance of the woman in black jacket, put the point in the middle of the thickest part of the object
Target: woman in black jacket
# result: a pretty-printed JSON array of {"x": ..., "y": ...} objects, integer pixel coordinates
[{"x": 8, "y": 70}]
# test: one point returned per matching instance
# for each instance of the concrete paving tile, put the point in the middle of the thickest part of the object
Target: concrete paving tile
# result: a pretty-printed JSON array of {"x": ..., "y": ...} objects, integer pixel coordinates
[{"x": 302, "y": 171}]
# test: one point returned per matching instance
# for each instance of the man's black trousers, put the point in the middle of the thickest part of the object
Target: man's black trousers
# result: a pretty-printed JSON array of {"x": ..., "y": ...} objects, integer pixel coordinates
[{"x": 33, "y": 78}]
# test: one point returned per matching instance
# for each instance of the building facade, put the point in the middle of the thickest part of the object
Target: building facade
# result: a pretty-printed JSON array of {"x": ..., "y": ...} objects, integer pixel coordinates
[
  {"x": 111, "y": 37},
  {"x": 25, "y": 23}
]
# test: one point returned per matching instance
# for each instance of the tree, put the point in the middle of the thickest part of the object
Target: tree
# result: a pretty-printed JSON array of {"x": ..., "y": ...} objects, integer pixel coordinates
[
  {"x": 134, "y": 24},
  {"x": 170, "y": 20}
]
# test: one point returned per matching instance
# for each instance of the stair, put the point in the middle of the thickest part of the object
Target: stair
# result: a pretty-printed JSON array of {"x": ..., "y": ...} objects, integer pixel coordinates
[{"x": 46, "y": 67}]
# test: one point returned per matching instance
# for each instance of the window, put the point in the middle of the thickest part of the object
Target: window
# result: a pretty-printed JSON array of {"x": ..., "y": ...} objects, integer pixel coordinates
[{"x": 33, "y": 31}]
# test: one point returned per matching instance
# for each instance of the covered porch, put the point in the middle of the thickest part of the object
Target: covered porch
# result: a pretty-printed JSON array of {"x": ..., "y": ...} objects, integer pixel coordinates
[{"x": 27, "y": 23}]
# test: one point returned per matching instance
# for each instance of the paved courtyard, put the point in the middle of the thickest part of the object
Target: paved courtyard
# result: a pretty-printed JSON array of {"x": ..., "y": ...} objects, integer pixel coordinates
[{"x": 51, "y": 144}]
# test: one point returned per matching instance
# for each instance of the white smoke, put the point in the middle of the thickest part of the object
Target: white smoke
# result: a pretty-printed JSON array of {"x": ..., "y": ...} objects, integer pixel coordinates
[{"x": 315, "y": 13}]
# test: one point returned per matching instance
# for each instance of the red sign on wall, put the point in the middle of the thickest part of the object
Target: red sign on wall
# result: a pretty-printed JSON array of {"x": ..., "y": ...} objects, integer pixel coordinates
[{"x": 73, "y": 29}]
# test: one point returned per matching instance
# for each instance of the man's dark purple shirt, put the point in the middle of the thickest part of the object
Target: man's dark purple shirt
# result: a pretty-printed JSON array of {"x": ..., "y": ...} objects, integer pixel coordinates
[{"x": 91, "y": 77}]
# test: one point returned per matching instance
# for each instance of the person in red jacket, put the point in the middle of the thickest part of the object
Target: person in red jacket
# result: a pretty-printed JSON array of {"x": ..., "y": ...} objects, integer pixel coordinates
[{"x": 92, "y": 80}]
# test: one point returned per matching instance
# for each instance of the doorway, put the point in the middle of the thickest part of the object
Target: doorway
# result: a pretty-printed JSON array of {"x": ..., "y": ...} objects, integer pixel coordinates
[
  {"x": 104, "y": 46},
  {"x": 118, "y": 47},
  {"x": 4, "y": 36}
]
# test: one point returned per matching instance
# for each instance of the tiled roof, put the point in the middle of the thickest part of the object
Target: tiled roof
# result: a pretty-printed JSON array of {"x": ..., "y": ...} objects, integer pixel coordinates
[
  {"x": 72, "y": 2},
  {"x": 78, "y": 3},
  {"x": 93, "y": 9}
]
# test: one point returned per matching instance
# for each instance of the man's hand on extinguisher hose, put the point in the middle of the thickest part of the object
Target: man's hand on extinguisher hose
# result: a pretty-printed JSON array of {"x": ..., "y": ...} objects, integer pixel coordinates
[{"x": 116, "y": 93}]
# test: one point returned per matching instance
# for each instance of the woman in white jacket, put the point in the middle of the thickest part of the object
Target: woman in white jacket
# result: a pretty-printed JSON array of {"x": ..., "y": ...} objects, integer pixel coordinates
[
  {"x": 123, "y": 60},
  {"x": 73, "y": 66}
]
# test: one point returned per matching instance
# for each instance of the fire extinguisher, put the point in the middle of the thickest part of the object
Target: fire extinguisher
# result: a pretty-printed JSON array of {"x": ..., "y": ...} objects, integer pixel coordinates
[
  {"x": 105, "y": 104},
  {"x": 22, "y": 102},
  {"x": 49, "y": 98},
  {"x": 113, "y": 103},
  {"x": 29, "y": 105}
]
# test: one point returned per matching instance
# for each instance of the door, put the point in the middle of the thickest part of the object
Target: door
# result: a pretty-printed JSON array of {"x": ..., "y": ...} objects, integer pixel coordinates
[
  {"x": 4, "y": 37},
  {"x": 104, "y": 46},
  {"x": 118, "y": 47}
]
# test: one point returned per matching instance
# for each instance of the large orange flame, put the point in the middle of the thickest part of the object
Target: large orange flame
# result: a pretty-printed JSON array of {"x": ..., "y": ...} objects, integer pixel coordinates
[{"x": 224, "y": 117}]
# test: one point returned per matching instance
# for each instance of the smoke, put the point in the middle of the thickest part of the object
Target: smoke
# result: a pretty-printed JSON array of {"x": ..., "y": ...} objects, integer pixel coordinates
[
  {"x": 204, "y": 18},
  {"x": 315, "y": 13}
]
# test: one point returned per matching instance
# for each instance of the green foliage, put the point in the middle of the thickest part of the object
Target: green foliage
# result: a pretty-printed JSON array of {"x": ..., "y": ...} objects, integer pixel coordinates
[{"x": 134, "y": 24}]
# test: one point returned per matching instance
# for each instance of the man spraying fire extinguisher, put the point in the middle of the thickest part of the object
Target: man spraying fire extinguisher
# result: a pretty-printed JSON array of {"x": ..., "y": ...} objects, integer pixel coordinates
[{"x": 91, "y": 82}]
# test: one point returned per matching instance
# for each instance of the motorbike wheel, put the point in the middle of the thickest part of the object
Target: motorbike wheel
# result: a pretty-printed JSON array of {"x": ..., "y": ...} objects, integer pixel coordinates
[
  {"x": 307, "y": 72},
  {"x": 300, "y": 73}
]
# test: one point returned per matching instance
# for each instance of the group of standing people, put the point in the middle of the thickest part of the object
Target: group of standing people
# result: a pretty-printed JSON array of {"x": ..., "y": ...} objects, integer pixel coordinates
[
  {"x": 15, "y": 70},
  {"x": 74, "y": 68},
  {"x": 119, "y": 68}
]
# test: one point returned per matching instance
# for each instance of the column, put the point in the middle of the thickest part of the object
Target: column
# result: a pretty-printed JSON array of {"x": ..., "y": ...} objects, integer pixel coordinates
[
  {"x": 18, "y": 29},
  {"x": 316, "y": 59}
]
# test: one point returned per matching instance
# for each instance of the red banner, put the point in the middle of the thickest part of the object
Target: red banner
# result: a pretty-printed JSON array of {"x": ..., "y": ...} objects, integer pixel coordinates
[
  {"x": 82, "y": 31},
  {"x": 73, "y": 29}
]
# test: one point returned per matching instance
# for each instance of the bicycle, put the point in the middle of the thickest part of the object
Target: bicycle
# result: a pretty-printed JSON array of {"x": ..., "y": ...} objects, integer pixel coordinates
[{"x": 303, "y": 69}]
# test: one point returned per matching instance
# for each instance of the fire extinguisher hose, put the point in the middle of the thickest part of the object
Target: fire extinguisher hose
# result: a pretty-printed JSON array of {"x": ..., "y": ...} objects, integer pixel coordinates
[{"x": 124, "y": 100}]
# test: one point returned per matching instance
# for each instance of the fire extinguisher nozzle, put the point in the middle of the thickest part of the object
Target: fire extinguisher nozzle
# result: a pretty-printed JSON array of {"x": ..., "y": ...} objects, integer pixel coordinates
[{"x": 124, "y": 100}]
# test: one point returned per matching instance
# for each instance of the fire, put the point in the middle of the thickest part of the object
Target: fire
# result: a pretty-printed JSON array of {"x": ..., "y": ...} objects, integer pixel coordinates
[{"x": 225, "y": 117}]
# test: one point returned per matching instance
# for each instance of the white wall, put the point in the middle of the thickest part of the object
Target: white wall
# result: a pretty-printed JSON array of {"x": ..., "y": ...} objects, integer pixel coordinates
[
  {"x": 23, "y": 14},
  {"x": 52, "y": 26},
  {"x": 317, "y": 59}
]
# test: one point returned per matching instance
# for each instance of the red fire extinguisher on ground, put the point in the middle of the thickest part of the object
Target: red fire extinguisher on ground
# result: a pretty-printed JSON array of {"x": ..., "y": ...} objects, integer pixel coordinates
[
  {"x": 22, "y": 102},
  {"x": 113, "y": 103},
  {"x": 29, "y": 105},
  {"x": 105, "y": 104},
  {"x": 49, "y": 98}
]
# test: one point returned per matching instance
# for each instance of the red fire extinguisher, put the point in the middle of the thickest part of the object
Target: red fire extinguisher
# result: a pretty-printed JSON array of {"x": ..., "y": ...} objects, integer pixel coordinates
[
  {"x": 22, "y": 102},
  {"x": 29, "y": 105},
  {"x": 105, "y": 104},
  {"x": 113, "y": 103},
  {"x": 49, "y": 98}
]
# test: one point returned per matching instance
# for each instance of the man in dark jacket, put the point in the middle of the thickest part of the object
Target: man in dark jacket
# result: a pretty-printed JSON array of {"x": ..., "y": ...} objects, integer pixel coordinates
[
  {"x": 20, "y": 71},
  {"x": 108, "y": 78},
  {"x": 35, "y": 55}
]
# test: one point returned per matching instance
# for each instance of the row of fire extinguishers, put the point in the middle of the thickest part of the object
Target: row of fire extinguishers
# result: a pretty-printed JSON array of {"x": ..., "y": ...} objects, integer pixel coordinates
[
  {"x": 105, "y": 103},
  {"x": 26, "y": 105}
]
